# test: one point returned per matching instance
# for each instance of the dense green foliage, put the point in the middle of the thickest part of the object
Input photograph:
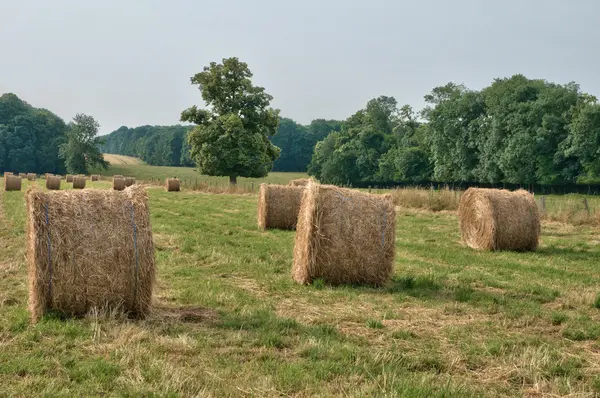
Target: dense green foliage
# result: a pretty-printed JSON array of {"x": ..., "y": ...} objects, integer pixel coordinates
[
  {"x": 232, "y": 134},
  {"x": 517, "y": 130},
  {"x": 29, "y": 137},
  {"x": 155, "y": 145},
  {"x": 80, "y": 152}
]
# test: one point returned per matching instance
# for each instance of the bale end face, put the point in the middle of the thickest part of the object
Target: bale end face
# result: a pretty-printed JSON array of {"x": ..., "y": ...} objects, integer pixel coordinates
[{"x": 497, "y": 219}]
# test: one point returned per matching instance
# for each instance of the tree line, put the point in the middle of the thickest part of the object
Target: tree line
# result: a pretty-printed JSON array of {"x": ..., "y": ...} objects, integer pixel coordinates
[{"x": 34, "y": 140}]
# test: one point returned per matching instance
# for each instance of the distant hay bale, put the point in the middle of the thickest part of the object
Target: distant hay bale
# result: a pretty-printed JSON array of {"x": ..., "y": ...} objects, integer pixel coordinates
[
  {"x": 118, "y": 176},
  {"x": 102, "y": 258},
  {"x": 118, "y": 183},
  {"x": 344, "y": 237},
  {"x": 173, "y": 185},
  {"x": 70, "y": 177},
  {"x": 11, "y": 182},
  {"x": 23, "y": 175},
  {"x": 31, "y": 176},
  {"x": 278, "y": 206},
  {"x": 52, "y": 183},
  {"x": 78, "y": 182},
  {"x": 300, "y": 182},
  {"x": 497, "y": 219},
  {"x": 129, "y": 181},
  {"x": 95, "y": 177}
]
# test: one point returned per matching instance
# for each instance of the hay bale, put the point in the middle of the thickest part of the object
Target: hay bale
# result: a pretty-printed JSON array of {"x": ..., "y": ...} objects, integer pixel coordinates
[
  {"x": 53, "y": 183},
  {"x": 31, "y": 176},
  {"x": 278, "y": 206},
  {"x": 118, "y": 183},
  {"x": 172, "y": 185},
  {"x": 300, "y": 182},
  {"x": 497, "y": 219},
  {"x": 344, "y": 236},
  {"x": 95, "y": 177},
  {"x": 70, "y": 177},
  {"x": 129, "y": 181},
  {"x": 78, "y": 182},
  {"x": 23, "y": 175},
  {"x": 11, "y": 182},
  {"x": 118, "y": 176},
  {"x": 105, "y": 262}
]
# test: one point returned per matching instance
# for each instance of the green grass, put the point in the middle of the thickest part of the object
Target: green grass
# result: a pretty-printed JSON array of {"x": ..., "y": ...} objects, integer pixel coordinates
[{"x": 452, "y": 322}]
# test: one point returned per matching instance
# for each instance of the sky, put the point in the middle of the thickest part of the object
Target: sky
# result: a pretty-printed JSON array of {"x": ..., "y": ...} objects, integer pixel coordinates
[{"x": 129, "y": 63}]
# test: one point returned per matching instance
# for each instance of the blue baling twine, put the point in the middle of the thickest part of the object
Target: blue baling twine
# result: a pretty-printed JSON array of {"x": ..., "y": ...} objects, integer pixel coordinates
[
  {"x": 49, "y": 253},
  {"x": 137, "y": 264}
]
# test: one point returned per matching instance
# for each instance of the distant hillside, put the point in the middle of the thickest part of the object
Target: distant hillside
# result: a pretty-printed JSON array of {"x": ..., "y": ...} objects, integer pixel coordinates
[
  {"x": 29, "y": 137},
  {"x": 121, "y": 160}
]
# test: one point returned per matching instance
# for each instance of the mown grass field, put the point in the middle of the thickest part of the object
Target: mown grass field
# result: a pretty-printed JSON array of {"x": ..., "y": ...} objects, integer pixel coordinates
[{"x": 229, "y": 321}]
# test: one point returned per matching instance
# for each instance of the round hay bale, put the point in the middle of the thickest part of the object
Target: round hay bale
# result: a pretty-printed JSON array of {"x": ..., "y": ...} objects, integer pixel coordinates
[
  {"x": 31, "y": 176},
  {"x": 70, "y": 177},
  {"x": 300, "y": 182},
  {"x": 278, "y": 206},
  {"x": 172, "y": 185},
  {"x": 105, "y": 261},
  {"x": 118, "y": 183},
  {"x": 344, "y": 237},
  {"x": 118, "y": 176},
  {"x": 95, "y": 177},
  {"x": 129, "y": 181},
  {"x": 78, "y": 182},
  {"x": 53, "y": 183},
  {"x": 11, "y": 182},
  {"x": 23, "y": 175},
  {"x": 497, "y": 219}
]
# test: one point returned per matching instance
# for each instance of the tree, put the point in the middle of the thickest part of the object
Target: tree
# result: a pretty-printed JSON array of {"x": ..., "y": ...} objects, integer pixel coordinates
[
  {"x": 81, "y": 151},
  {"x": 232, "y": 134}
]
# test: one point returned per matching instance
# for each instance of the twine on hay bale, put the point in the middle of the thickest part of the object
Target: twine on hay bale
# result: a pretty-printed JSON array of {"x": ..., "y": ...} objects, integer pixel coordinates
[
  {"x": 105, "y": 262},
  {"x": 70, "y": 177},
  {"x": 129, "y": 181},
  {"x": 78, "y": 182},
  {"x": 53, "y": 183},
  {"x": 11, "y": 182},
  {"x": 278, "y": 206},
  {"x": 31, "y": 176},
  {"x": 344, "y": 237},
  {"x": 172, "y": 185},
  {"x": 95, "y": 177},
  {"x": 300, "y": 182},
  {"x": 497, "y": 219},
  {"x": 118, "y": 183}
]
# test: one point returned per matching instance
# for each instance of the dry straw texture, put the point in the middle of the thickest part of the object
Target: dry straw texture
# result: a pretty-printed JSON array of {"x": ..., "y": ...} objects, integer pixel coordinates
[
  {"x": 497, "y": 219},
  {"x": 117, "y": 176},
  {"x": 118, "y": 183},
  {"x": 52, "y": 183},
  {"x": 95, "y": 177},
  {"x": 300, "y": 182},
  {"x": 11, "y": 182},
  {"x": 129, "y": 181},
  {"x": 31, "y": 176},
  {"x": 23, "y": 175},
  {"x": 344, "y": 237},
  {"x": 70, "y": 177},
  {"x": 172, "y": 185},
  {"x": 278, "y": 206},
  {"x": 105, "y": 262},
  {"x": 78, "y": 182}
]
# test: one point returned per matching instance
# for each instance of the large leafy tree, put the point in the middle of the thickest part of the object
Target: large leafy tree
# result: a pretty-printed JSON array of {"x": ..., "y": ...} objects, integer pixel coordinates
[
  {"x": 81, "y": 151},
  {"x": 232, "y": 134}
]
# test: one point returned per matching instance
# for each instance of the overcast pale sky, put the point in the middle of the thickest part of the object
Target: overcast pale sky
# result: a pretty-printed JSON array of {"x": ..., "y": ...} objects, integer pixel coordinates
[{"x": 129, "y": 62}]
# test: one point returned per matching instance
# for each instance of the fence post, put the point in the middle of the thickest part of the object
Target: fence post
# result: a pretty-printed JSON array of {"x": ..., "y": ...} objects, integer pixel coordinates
[
  {"x": 543, "y": 202},
  {"x": 253, "y": 187},
  {"x": 369, "y": 189},
  {"x": 586, "y": 205}
]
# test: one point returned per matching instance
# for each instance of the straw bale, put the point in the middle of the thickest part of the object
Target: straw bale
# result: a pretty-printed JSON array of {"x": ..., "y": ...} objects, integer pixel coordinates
[
  {"x": 95, "y": 177},
  {"x": 53, "y": 183},
  {"x": 70, "y": 177},
  {"x": 173, "y": 185},
  {"x": 31, "y": 176},
  {"x": 78, "y": 182},
  {"x": 107, "y": 261},
  {"x": 278, "y": 206},
  {"x": 118, "y": 183},
  {"x": 11, "y": 182},
  {"x": 300, "y": 182},
  {"x": 497, "y": 219},
  {"x": 344, "y": 236},
  {"x": 23, "y": 175},
  {"x": 118, "y": 176},
  {"x": 129, "y": 181}
]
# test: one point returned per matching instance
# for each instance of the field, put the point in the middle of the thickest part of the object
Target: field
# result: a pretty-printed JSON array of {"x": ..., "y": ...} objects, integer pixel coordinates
[
  {"x": 121, "y": 160},
  {"x": 229, "y": 321}
]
